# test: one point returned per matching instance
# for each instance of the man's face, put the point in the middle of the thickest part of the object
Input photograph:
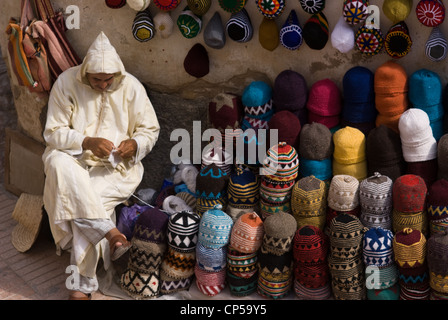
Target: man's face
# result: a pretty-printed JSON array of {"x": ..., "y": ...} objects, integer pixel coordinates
[{"x": 100, "y": 81}]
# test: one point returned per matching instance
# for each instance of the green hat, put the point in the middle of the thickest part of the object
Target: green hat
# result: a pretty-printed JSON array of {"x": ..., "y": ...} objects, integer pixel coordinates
[
  {"x": 199, "y": 7},
  {"x": 232, "y": 6},
  {"x": 189, "y": 24}
]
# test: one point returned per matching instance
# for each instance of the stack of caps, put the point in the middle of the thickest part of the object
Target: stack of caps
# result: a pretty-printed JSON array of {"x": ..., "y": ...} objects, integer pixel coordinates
[
  {"x": 245, "y": 240},
  {"x": 316, "y": 152},
  {"x": 239, "y": 27},
  {"x": 410, "y": 256},
  {"x": 279, "y": 173},
  {"x": 243, "y": 193},
  {"x": 345, "y": 257},
  {"x": 258, "y": 107},
  {"x": 309, "y": 202},
  {"x": 343, "y": 197},
  {"x": 391, "y": 94},
  {"x": 177, "y": 268},
  {"x": 189, "y": 24},
  {"x": 291, "y": 93},
  {"x": 409, "y": 203},
  {"x": 359, "y": 110},
  {"x": 384, "y": 153},
  {"x": 225, "y": 112},
  {"x": 425, "y": 92},
  {"x": 216, "y": 154},
  {"x": 418, "y": 144},
  {"x": 324, "y": 103},
  {"x": 349, "y": 156},
  {"x": 141, "y": 278},
  {"x": 437, "y": 206},
  {"x": 438, "y": 266},
  {"x": 311, "y": 271},
  {"x": 378, "y": 257},
  {"x": 275, "y": 263},
  {"x": 211, "y": 187},
  {"x": 215, "y": 228},
  {"x": 288, "y": 127},
  {"x": 442, "y": 153},
  {"x": 375, "y": 198}
]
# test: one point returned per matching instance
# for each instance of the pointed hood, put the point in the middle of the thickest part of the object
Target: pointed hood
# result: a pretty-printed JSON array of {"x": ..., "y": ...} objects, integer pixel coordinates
[{"x": 102, "y": 58}]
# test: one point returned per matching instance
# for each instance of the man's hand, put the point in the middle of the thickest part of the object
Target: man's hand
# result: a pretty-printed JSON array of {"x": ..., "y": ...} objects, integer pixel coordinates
[
  {"x": 127, "y": 148},
  {"x": 99, "y": 146}
]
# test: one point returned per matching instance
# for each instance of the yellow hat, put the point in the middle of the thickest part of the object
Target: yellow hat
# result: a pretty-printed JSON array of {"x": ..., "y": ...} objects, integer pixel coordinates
[
  {"x": 397, "y": 10},
  {"x": 268, "y": 34},
  {"x": 349, "y": 145}
]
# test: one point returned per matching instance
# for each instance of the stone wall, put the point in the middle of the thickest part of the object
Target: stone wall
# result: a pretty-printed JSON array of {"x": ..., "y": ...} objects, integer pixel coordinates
[{"x": 179, "y": 98}]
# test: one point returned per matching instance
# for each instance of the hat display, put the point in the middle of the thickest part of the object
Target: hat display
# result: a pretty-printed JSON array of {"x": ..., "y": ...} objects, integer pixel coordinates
[
  {"x": 138, "y": 5},
  {"x": 115, "y": 4},
  {"x": 355, "y": 11},
  {"x": 270, "y": 9},
  {"x": 312, "y": 6},
  {"x": 268, "y": 34},
  {"x": 316, "y": 31},
  {"x": 398, "y": 42},
  {"x": 436, "y": 45},
  {"x": 143, "y": 28},
  {"x": 397, "y": 10},
  {"x": 214, "y": 33},
  {"x": 232, "y": 6},
  {"x": 291, "y": 32},
  {"x": 164, "y": 24},
  {"x": 189, "y": 24},
  {"x": 430, "y": 13},
  {"x": 166, "y": 5},
  {"x": 196, "y": 62},
  {"x": 342, "y": 37},
  {"x": 239, "y": 27},
  {"x": 199, "y": 7}
]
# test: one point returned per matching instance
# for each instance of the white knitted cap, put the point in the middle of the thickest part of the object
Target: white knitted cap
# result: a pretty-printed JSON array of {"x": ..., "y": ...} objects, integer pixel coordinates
[
  {"x": 343, "y": 36},
  {"x": 138, "y": 5},
  {"x": 343, "y": 194},
  {"x": 164, "y": 24}
]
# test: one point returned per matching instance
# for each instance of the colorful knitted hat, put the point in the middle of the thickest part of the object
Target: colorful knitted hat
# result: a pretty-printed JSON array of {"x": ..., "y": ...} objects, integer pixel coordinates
[
  {"x": 369, "y": 41},
  {"x": 211, "y": 182},
  {"x": 225, "y": 111},
  {"x": 397, "y": 10},
  {"x": 279, "y": 231},
  {"x": 349, "y": 146},
  {"x": 138, "y": 5},
  {"x": 398, "y": 41},
  {"x": 417, "y": 140},
  {"x": 342, "y": 37},
  {"x": 239, "y": 27},
  {"x": 316, "y": 31},
  {"x": 256, "y": 94},
  {"x": 210, "y": 283},
  {"x": 189, "y": 24},
  {"x": 199, "y": 7},
  {"x": 436, "y": 45},
  {"x": 215, "y": 228},
  {"x": 409, "y": 248},
  {"x": 312, "y": 6},
  {"x": 232, "y": 6},
  {"x": 355, "y": 11},
  {"x": 430, "y": 13},
  {"x": 377, "y": 247},
  {"x": 291, "y": 32},
  {"x": 316, "y": 142},
  {"x": 218, "y": 156},
  {"x": 211, "y": 259},
  {"x": 164, "y": 24},
  {"x": 170, "y": 285},
  {"x": 196, "y": 62},
  {"x": 281, "y": 162},
  {"x": 115, "y": 4},
  {"x": 151, "y": 226},
  {"x": 271, "y": 9},
  {"x": 346, "y": 233},
  {"x": 214, "y": 33},
  {"x": 243, "y": 189},
  {"x": 247, "y": 233},
  {"x": 268, "y": 34},
  {"x": 290, "y": 91},
  {"x": 343, "y": 194},
  {"x": 310, "y": 245},
  {"x": 241, "y": 287},
  {"x": 375, "y": 194},
  {"x": 177, "y": 264},
  {"x": 166, "y": 5},
  {"x": 143, "y": 28},
  {"x": 182, "y": 233},
  {"x": 409, "y": 193},
  {"x": 240, "y": 264}
]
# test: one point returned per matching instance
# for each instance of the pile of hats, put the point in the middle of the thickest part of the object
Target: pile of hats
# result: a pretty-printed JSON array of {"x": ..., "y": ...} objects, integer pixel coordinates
[
  {"x": 425, "y": 92},
  {"x": 343, "y": 197},
  {"x": 375, "y": 198},
  {"x": 214, "y": 232},
  {"x": 245, "y": 240},
  {"x": 409, "y": 203},
  {"x": 258, "y": 106},
  {"x": 316, "y": 152},
  {"x": 279, "y": 173},
  {"x": 378, "y": 258},
  {"x": 384, "y": 153},
  {"x": 309, "y": 202},
  {"x": 275, "y": 262},
  {"x": 391, "y": 94},
  {"x": 324, "y": 104},
  {"x": 358, "y": 109},
  {"x": 177, "y": 270},
  {"x": 442, "y": 153},
  {"x": 211, "y": 188},
  {"x": 311, "y": 271},
  {"x": 243, "y": 193},
  {"x": 345, "y": 257},
  {"x": 418, "y": 144},
  {"x": 349, "y": 156},
  {"x": 437, "y": 207},
  {"x": 437, "y": 256},
  {"x": 290, "y": 92},
  {"x": 141, "y": 278},
  {"x": 410, "y": 250}
]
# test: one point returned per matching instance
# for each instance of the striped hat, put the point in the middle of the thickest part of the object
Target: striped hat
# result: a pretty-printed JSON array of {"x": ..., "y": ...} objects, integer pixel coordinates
[
  {"x": 312, "y": 6},
  {"x": 355, "y": 11},
  {"x": 409, "y": 248},
  {"x": 232, "y": 6},
  {"x": 375, "y": 194},
  {"x": 166, "y": 5},
  {"x": 436, "y": 45},
  {"x": 242, "y": 265},
  {"x": 346, "y": 233},
  {"x": 211, "y": 259},
  {"x": 243, "y": 190},
  {"x": 143, "y": 28},
  {"x": 343, "y": 194},
  {"x": 182, "y": 232},
  {"x": 310, "y": 245},
  {"x": 306, "y": 293},
  {"x": 377, "y": 247},
  {"x": 199, "y": 7},
  {"x": 210, "y": 283},
  {"x": 178, "y": 265},
  {"x": 239, "y": 27},
  {"x": 211, "y": 182},
  {"x": 281, "y": 163},
  {"x": 409, "y": 193},
  {"x": 271, "y": 9},
  {"x": 241, "y": 287},
  {"x": 170, "y": 285},
  {"x": 316, "y": 31},
  {"x": 189, "y": 24},
  {"x": 215, "y": 228},
  {"x": 247, "y": 233},
  {"x": 430, "y": 13},
  {"x": 151, "y": 226}
]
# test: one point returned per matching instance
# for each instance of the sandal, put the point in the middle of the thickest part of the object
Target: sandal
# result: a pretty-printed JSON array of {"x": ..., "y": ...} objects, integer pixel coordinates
[
  {"x": 78, "y": 295},
  {"x": 117, "y": 251}
]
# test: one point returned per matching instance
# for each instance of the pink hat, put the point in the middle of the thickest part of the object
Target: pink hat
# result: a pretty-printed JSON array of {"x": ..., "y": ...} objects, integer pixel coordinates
[{"x": 324, "y": 98}]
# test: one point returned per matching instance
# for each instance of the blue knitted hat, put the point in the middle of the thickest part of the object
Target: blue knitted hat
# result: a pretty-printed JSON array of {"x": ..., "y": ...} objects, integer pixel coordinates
[
  {"x": 291, "y": 32},
  {"x": 377, "y": 247},
  {"x": 256, "y": 94},
  {"x": 215, "y": 228},
  {"x": 211, "y": 259}
]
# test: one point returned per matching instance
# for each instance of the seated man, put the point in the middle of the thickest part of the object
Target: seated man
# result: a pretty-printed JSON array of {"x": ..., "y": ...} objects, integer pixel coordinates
[{"x": 100, "y": 125}]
